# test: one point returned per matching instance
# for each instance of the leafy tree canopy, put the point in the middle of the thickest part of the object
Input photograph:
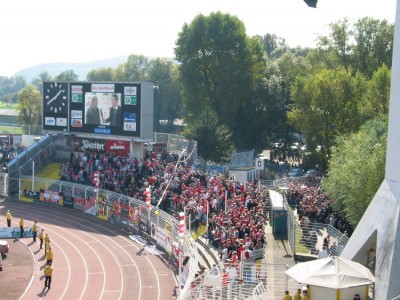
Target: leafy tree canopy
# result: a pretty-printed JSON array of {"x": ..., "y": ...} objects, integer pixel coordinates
[
  {"x": 29, "y": 107},
  {"x": 100, "y": 74},
  {"x": 327, "y": 104},
  {"x": 357, "y": 168},
  {"x": 68, "y": 75},
  {"x": 360, "y": 47},
  {"x": 219, "y": 67},
  {"x": 214, "y": 141}
]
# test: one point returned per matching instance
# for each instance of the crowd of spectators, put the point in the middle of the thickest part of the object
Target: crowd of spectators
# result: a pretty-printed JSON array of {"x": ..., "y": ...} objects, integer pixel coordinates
[
  {"x": 313, "y": 204},
  {"x": 235, "y": 211},
  {"x": 8, "y": 153}
]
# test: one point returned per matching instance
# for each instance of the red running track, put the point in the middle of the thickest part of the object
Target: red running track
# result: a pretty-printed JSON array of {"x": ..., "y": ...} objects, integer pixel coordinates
[{"x": 92, "y": 259}]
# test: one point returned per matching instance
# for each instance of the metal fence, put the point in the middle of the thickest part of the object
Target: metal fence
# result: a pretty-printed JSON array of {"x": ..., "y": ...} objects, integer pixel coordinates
[
  {"x": 305, "y": 237},
  {"x": 309, "y": 238},
  {"x": 32, "y": 159},
  {"x": 3, "y": 184},
  {"x": 7, "y": 128},
  {"x": 176, "y": 143},
  {"x": 246, "y": 280}
]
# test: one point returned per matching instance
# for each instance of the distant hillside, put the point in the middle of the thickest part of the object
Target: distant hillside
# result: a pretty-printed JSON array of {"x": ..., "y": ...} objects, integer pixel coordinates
[{"x": 80, "y": 69}]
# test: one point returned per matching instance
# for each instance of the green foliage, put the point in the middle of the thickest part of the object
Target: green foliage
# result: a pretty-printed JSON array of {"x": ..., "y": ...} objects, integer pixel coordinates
[
  {"x": 271, "y": 42},
  {"x": 378, "y": 94},
  {"x": 280, "y": 75},
  {"x": 29, "y": 107},
  {"x": 135, "y": 69},
  {"x": 68, "y": 75},
  {"x": 9, "y": 87},
  {"x": 214, "y": 141},
  {"x": 361, "y": 47},
  {"x": 38, "y": 81},
  {"x": 373, "y": 45},
  {"x": 327, "y": 104},
  {"x": 100, "y": 74},
  {"x": 356, "y": 169},
  {"x": 219, "y": 68},
  {"x": 167, "y": 93}
]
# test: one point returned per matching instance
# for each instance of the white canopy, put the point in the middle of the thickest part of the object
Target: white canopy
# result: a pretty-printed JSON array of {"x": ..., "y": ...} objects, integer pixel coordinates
[{"x": 331, "y": 272}]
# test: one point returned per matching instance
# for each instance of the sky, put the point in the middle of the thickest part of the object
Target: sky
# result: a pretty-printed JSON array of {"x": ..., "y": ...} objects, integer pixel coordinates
[{"x": 49, "y": 31}]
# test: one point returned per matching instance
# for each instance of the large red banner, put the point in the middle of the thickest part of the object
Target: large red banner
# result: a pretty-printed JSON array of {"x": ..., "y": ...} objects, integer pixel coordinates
[{"x": 120, "y": 148}]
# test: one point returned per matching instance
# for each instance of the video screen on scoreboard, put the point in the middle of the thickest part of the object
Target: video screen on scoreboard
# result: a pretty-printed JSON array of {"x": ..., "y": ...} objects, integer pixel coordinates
[{"x": 105, "y": 108}]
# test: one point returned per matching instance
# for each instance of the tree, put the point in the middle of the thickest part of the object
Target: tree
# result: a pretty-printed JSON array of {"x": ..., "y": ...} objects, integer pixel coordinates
[
  {"x": 280, "y": 75},
  {"x": 357, "y": 168},
  {"x": 327, "y": 104},
  {"x": 163, "y": 73},
  {"x": 38, "y": 81},
  {"x": 9, "y": 88},
  {"x": 214, "y": 141},
  {"x": 100, "y": 74},
  {"x": 134, "y": 69},
  {"x": 378, "y": 94},
  {"x": 373, "y": 45},
  {"x": 337, "y": 46},
  {"x": 361, "y": 47},
  {"x": 68, "y": 75},
  {"x": 219, "y": 67},
  {"x": 271, "y": 42},
  {"x": 29, "y": 107}
]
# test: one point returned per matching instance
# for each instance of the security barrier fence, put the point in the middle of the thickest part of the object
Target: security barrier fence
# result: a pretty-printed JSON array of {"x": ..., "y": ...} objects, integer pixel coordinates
[
  {"x": 3, "y": 184},
  {"x": 175, "y": 143},
  {"x": 245, "y": 280},
  {"x": 309, "y": 238},
  {"x": 306, "y": 238}
]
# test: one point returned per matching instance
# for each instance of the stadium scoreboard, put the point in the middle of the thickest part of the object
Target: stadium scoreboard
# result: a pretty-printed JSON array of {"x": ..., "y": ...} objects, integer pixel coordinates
[{"x": 99, "y": 108}]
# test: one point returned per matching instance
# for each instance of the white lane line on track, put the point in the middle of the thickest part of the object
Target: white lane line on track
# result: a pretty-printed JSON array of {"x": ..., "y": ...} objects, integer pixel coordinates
[
  {"x": 69, "y": 267},
  {"x": 91, "y": 242},
  {"x": 33, "y": 270},
  {"x": 66, "y": 257},
  {"x": 128, "y": 265},
  {"x": 104, "y": 273},
  {"x": 115, "y": 232},
  {"x": 83, "y": 242},
  {"x": 119, "y": 246}
]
